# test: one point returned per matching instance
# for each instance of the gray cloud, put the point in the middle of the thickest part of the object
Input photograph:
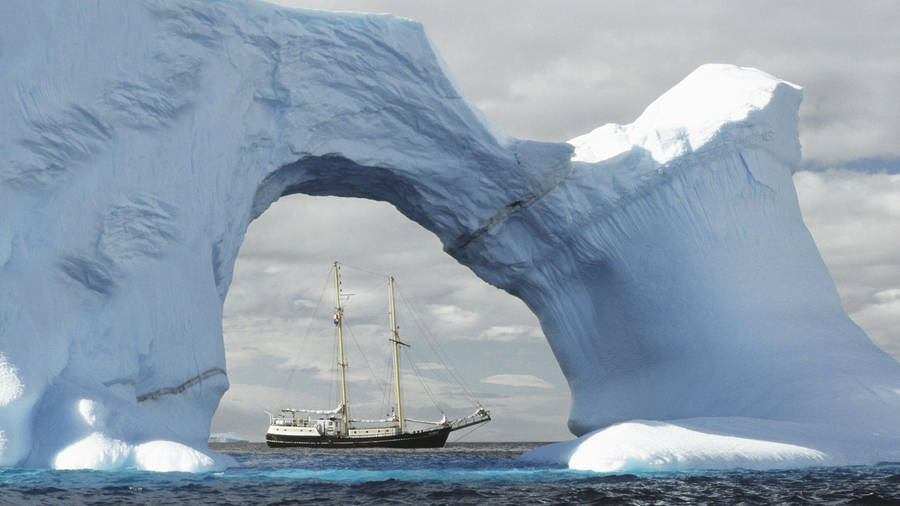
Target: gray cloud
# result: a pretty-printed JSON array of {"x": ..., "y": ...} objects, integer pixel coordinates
[
  {"x": 855, "y": 219},
  {"x": 517, "y": 380}
]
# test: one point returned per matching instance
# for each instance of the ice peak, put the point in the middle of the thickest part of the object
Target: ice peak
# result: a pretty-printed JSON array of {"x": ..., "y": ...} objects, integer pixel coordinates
[{"x": 694, "y": 112}]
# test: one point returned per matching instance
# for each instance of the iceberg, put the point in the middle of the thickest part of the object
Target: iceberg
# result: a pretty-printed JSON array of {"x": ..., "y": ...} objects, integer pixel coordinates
[{"x": 666, "y": 260}]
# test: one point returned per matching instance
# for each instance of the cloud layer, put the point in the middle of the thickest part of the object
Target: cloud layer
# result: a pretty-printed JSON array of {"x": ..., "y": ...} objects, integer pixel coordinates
[{"x": 855, "y": 219}]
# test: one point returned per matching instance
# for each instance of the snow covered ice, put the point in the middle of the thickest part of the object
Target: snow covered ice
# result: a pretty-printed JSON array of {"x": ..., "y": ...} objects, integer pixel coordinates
[
  {"x": 666, "y": 260},
  {"x": 641, "y": 446}
]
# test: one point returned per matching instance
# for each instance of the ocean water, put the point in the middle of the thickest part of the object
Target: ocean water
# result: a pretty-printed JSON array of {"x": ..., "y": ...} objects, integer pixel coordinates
[{"x": 461, "y": 473}]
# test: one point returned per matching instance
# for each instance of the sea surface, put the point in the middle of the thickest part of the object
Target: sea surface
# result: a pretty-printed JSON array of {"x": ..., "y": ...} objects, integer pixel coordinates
[{"x": 461, "y": 473}]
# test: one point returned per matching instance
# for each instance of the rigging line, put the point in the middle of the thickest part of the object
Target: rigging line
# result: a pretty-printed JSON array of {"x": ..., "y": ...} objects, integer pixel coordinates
[
  {"x": 448, "y": 370},
  {"x": 419, "y": 376},
  {"x": 381, "y": 386},
  {"x": 348, "y": 298},
  {"x": 386, "y": 392},
  {"x": 332, "y": 382},
  {"x": 371, "y": 289},
  {"x": 304, "y": 339},
  {"x": 364, "y": 270},
  {"x": 436, "y": 348},
  {"x": 467, "y": 434}
]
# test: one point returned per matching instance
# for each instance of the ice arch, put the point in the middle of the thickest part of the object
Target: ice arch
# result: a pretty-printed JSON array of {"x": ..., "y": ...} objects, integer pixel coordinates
[{"x": 666, "y": 260}]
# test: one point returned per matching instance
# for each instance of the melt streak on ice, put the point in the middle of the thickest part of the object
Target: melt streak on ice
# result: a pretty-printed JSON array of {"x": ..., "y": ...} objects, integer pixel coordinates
[{"x": 667, "y": 260}]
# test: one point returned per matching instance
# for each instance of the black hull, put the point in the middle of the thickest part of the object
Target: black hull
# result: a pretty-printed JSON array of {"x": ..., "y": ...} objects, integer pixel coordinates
[{"x": 425, "y": 439}]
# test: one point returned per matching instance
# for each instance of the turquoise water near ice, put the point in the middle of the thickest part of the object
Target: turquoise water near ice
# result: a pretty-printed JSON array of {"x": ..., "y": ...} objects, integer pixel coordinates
[{"x": 462, "y": 473}]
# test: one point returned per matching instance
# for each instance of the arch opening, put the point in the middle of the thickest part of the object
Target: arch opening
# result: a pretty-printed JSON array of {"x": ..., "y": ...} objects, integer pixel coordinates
[{"x": 277, "y": 317}]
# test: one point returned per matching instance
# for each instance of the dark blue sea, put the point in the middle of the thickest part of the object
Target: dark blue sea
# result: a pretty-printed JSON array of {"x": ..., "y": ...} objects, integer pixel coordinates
[{"x": 462, "y": 473}]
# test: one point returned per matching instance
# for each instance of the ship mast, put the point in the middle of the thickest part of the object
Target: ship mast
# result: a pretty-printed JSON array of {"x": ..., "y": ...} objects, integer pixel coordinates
[
  {"x": 395, "y": 339},
  {"x": 339, "y": 320}
]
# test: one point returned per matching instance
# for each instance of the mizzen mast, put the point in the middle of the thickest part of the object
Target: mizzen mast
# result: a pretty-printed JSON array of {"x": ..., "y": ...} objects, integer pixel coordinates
[
  {"x": 395, "y": 339},
  {"x": 339, "y": 321}
]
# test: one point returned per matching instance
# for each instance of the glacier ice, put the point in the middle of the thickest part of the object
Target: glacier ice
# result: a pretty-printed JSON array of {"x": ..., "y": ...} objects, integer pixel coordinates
[
  {"x": 99, "y": 452},
  {"x": 642, "y": 446},
  {"x": 666, "y": 260}
]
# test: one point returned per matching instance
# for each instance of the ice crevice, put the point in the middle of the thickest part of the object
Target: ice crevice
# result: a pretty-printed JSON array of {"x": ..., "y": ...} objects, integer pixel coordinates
[
  {"x": 666, "y": 260},
  {"x": 156, "y": 394},
  {"x": 557, "y": 175}
]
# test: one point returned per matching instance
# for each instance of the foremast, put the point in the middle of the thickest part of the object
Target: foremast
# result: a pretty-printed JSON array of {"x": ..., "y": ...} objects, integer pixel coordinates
[{"x": 339, "y": 321}]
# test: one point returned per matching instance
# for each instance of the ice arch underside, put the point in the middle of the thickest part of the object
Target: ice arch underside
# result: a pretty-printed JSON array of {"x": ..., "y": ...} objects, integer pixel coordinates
[{"x": 666, "y": 260}]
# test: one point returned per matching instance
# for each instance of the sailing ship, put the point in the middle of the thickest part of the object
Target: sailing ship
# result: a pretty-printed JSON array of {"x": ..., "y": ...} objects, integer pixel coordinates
[{"x": 335, "y": 428}]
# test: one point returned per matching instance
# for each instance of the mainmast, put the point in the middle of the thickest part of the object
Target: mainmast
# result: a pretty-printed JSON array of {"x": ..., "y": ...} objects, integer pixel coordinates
[
  {"x": 395, "y": 339},
  {"x": 339, "y": 321}
]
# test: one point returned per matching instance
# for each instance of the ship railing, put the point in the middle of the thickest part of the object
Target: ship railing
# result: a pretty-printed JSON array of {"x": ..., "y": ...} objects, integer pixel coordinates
[
  {"x": 290, "y": 422},
  {"x": 334, "y": 411},
  {"x": 426, "y": 422},
  {"x": 380, "y": 420}
]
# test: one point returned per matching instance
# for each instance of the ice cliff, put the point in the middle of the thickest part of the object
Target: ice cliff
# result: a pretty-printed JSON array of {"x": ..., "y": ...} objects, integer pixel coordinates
[{"x": 667, "y": 259}]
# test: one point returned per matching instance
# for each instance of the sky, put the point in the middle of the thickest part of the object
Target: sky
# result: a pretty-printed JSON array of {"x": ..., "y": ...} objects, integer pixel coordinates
[{"x": 551, "y": 71}]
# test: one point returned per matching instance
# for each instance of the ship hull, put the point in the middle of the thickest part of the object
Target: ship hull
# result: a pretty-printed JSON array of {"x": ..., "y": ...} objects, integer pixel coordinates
[{"x": 435, "y": 438}]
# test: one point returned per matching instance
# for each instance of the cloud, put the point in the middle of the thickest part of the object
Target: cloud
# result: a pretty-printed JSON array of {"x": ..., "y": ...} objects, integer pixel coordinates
[
  {"x": 453, "y": 316},
  {"x": 507, "y": 333},
  {"x": 854, "y": 218},
  {"x": 881, "y": 320},
  {"x": 242, "y": 411},
  {"x": 517, "y": 380},
  {"x": 869, "y": 165},
  {"x": 888, "y": 296},
  {"x": 432, "y": 366}
]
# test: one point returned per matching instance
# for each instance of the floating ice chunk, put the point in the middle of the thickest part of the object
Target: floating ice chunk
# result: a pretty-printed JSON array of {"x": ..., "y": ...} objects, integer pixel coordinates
[{"x": 657, "y": 446}]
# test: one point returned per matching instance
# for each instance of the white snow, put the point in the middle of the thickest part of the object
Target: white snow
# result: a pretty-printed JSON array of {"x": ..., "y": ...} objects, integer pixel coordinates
[
  {"x": 10, "y": 385},
  {"x": 100, "y": 452},
  {"x": 517, "y": 380},
  {"x": 171, "y": 456},
  {"x": 88, "y": 410},
  {"x": 687, "y": 116},
  {"x": 667, "y": 260},
  {"x": 94, "y": 452}
]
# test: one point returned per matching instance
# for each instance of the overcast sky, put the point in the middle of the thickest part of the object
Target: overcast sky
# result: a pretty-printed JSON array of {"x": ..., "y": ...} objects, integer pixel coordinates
[{"x": 551, "y": 71}]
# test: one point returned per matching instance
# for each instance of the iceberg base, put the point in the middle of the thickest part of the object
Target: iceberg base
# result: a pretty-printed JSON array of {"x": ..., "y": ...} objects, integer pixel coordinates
[{"x": 644, "y": 446}]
